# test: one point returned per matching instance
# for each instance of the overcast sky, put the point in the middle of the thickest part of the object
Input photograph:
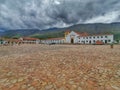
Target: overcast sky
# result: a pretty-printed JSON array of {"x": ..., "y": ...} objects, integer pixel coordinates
[{"x": 42, "y": 14}]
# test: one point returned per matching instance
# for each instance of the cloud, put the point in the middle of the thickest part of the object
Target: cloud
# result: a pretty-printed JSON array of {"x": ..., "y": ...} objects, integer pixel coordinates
[
  {"x": 44, "y": 14},
  {"x": 107, "y": 18}
]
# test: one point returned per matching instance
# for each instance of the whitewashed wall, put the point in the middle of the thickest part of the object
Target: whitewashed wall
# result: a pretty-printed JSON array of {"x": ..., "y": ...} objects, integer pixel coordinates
[
  {"x": 52, "y": 41},
  {"x": 73, "y": 35},
  {"x": 88, "y": 39},
  {"x": 93, "y": 39}
]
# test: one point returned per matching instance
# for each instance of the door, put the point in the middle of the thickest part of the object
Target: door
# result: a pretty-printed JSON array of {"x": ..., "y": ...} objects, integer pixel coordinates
[
  {"x": 105, "y": 41},
  {"x": 72, "y": 40},
  {"x": 89, "y": 42}
]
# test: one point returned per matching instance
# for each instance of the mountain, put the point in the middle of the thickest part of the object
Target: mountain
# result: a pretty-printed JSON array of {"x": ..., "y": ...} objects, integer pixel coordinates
[
  {"x": 2, "y": 32},
  {"x": 95, "y": 28}
]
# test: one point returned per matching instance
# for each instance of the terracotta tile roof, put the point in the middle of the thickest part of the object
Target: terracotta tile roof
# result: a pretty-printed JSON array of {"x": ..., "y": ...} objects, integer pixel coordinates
[
  {"x": 100, "y": 34},
  {"x": 28, "y": 38},
  {"x": 99, "y": 42},
  {"x": 55, "y": 38},
  {"x": 12, "y": 40},
  {"x": 82, "y": 34}
]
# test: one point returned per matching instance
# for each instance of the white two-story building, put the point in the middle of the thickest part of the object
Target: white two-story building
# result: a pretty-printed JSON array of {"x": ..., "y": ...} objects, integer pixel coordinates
[
  {"x": 85, "y": 38},
  {"x": 53, "y": 40},
  {"x": 28, "y": 40}
]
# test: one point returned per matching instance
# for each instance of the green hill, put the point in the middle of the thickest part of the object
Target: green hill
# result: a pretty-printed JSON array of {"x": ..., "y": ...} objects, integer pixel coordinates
[{"x": 97, "y": 28}]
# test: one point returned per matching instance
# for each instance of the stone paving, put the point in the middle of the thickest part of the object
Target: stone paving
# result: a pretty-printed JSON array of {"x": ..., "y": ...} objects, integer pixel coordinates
[{"x": 60, "y": 67}]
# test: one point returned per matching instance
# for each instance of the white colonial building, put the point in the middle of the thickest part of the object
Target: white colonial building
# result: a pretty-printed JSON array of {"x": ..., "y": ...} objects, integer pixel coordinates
[
  {"x": 28, "y": 40},
  {"x": 53, "y": 41},
  {"x": 85, "y": 38}
]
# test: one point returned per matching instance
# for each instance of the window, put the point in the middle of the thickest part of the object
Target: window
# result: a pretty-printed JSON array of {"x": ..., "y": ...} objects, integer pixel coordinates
[
  {"x": 86, "y": 41},
  {"x": 86, "y": 37},
  {"x": 105, "y": 36},
  {"x": 94, "y": 41},
  {"x": 97, "y": 36},
  {"x": 94, "y": 37},
  {"x": 83, "y": 42},
  {"x": 101, "y": 36},
  {"x": 105, "y": 41},
  {"x": 89, "y": 42},
  {"x": 109, "y": 40},
  {"x": 90, "y": 37}
]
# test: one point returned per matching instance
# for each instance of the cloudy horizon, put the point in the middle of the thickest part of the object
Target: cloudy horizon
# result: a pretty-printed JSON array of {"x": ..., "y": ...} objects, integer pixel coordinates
[{"x": 43, "y": 14}]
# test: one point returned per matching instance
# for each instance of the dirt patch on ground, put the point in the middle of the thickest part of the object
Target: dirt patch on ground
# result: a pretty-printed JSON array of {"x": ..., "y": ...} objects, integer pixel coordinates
[{"x": 60, "y": 67}]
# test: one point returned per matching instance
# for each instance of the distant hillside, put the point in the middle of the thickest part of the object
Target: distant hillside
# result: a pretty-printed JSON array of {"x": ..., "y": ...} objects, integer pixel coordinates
[
  {"x": 96, "y": 28},
  {"x": 113, "y": 28}
]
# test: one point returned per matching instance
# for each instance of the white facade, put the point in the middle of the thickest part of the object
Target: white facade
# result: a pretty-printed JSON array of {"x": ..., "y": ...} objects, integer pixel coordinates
[
  {"x": 2, "y": 42},
  {"x": 74, "y": 37},
  {"x": 28, "y": 40},
  {"x": 53, "y": 40}
]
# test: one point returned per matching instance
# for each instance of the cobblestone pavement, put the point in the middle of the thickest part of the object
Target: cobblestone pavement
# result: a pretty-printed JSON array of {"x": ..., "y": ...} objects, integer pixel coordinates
[{"x": 60, "y": 67}]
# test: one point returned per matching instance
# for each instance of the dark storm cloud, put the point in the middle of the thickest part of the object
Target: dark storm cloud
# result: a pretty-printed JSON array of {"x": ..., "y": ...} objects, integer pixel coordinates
[{"x": 56, "y": 13}]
